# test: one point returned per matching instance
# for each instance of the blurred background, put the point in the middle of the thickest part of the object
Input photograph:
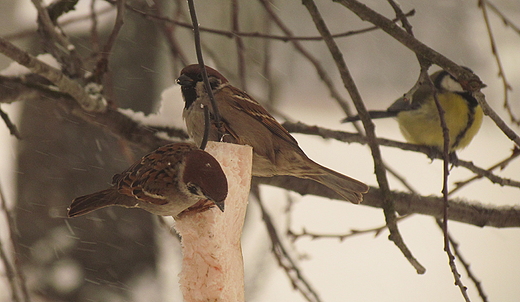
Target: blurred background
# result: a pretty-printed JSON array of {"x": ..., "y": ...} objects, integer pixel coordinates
[{"x": 129, "y": 255}]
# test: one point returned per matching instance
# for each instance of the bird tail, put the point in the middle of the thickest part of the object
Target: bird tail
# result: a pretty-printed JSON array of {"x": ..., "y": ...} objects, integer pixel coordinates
[
  {"x": 91, "y": 202},
  {"x": 373, "y": 115},
  {"x": 349, "y": 188}
]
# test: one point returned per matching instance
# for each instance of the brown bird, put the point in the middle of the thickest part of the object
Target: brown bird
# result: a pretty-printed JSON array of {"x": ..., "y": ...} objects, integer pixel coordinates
[
  {"x": 164, "y": 182},
  {"x": 244, "y": 121}
]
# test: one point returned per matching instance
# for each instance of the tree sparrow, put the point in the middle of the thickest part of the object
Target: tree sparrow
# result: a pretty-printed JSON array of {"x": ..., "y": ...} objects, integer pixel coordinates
[
  {"x": 165, "y": 182},
  {"x": 244, "y": 121}
]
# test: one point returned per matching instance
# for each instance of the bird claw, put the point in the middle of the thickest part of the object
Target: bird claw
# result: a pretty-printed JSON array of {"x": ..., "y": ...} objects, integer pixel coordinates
[{"x": 199, "y": 207}]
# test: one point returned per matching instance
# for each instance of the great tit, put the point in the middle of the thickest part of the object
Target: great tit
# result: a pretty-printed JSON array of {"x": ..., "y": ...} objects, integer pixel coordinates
[{"x": 419, "y": 120}]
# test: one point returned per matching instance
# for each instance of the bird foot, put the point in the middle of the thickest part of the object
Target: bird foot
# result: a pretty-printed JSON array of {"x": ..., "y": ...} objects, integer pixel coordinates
[{"x": 199, "y": 207}]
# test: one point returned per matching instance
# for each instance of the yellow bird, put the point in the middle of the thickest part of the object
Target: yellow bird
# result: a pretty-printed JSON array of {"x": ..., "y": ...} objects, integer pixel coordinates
[{"x": 419, "y": 120}]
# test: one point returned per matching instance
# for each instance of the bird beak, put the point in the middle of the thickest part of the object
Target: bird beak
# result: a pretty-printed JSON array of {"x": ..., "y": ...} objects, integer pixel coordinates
[
  {"x": 184, "y": 80},
  {"x": 220, "y": 204}
]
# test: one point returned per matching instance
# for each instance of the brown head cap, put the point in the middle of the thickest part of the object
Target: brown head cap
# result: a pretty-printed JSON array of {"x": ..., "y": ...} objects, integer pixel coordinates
[{"x": 204, "y": 171}]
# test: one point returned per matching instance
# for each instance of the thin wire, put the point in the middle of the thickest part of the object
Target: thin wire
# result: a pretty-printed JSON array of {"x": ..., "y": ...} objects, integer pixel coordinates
[
  {"x": 206, "y": 128},
  {"x": 200, "y": 59}
]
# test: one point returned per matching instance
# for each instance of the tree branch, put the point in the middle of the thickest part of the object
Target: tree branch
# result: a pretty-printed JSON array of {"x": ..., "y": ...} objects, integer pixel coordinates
[
  {"x": 102, "y": 63},
  {"x": 349, "y": 137},
  {"x": 33, "y": 89},
  {"x": 285, "y": 261},
  {"x": 469, "y": 81},
  {"x": 379, "y": 166},
  {"x": 66, "y": 85},
  {"x": 469, "y": 212}
]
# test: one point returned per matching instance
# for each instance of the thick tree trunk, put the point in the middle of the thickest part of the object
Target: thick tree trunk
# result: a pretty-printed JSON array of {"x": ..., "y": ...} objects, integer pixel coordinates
[{"x": 61, "y": 157}]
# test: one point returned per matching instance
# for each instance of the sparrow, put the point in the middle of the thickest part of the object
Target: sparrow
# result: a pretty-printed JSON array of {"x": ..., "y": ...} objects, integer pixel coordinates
[
  {"x": 244, "y": 121},
  {"x": 166, "y": 182},
  {"x": 419, "y": 119}
]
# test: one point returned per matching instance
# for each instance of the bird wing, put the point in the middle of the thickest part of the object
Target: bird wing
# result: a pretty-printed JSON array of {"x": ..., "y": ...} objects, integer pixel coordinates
[
  {"x": 256, "y": 111},
  {"x": 419, "y": 97},
  {"x": 155, "y": 175}
]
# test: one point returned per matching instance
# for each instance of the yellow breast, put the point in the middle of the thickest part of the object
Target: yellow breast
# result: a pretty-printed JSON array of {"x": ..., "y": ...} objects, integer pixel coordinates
[{"x": 422, "y": 126}]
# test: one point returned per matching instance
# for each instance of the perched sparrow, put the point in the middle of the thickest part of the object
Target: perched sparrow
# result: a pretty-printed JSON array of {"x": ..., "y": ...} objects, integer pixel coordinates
[
  {"x": 164, "y": 182},
  {"x": 245, "y": 122},
  {"x": 419, "y": 120}
]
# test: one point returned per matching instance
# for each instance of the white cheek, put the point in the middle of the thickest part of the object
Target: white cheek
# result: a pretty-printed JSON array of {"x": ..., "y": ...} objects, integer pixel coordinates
[{"x": 450, "y": 84}]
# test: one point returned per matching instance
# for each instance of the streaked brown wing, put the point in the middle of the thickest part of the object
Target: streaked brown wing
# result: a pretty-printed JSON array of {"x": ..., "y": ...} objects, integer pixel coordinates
[
  {"x": 255, "y": 110},
  {"x": 151, "y": 178}
]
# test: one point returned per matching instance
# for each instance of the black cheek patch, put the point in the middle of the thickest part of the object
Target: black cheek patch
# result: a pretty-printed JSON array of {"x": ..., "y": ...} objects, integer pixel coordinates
[
  {"x": 190, "y": 95},
  {"x": 192, "y": 189}
]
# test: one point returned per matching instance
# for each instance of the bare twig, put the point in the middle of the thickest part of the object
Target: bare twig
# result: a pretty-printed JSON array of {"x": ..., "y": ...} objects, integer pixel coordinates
[
  {"x": 350, "y": 137},
  {"x": 348, "y": 81},
  {"x": 502, "y": 164},
  {"x": 57, "y": 42},
  {"x": 267, "y": 69},
  {"x": 479, "y": 96},
  {"x": 401, "y": 16},
  {"x": 506, "y": 20},
  {"x": 425, "y": 64},
  {"x": 110, "y": 120},
  {"x": 445, "y": 156},
  {"x": 464, "y": 211},
  {"x": 146, "y": 138},
  {"x": 400, "y": 178},
  {"x": 469, "y": 81},
  {"x": 94, "y": 34},
  {"x": 235, "y": 27},
  {"x": 231, "y": 34},
  {"x": 465, "y": 263},
  {"x": 408, "y": 96},
  {"x": 15, "y": 273},
  {"x": 506, "y": 86},
  {"x": 298, "y": 281},
  {"x": 207, "y": 126},
  {"x": 315, "y": 62},
  {"x": 64, "y": 83},
  {"x": 9, "y": 269},
  {"x": 102, "y": 63},
  {"x": 445, "y": 178},
  {"x": 353, "y": 232},
  {"x": 9, "y": 272},
  {"x": 485, "y": 173},
  {"x": 200, "y": 58},
  {"x": 12, "y": 127},
  {"x": 31, "y": 31},
  {"x": 120, "y": 125},
  {"x": 168, "y": 30}
]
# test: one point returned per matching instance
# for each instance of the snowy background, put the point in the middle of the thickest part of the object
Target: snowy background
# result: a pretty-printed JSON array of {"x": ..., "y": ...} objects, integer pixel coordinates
[{"x": 361, "y": 268}]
